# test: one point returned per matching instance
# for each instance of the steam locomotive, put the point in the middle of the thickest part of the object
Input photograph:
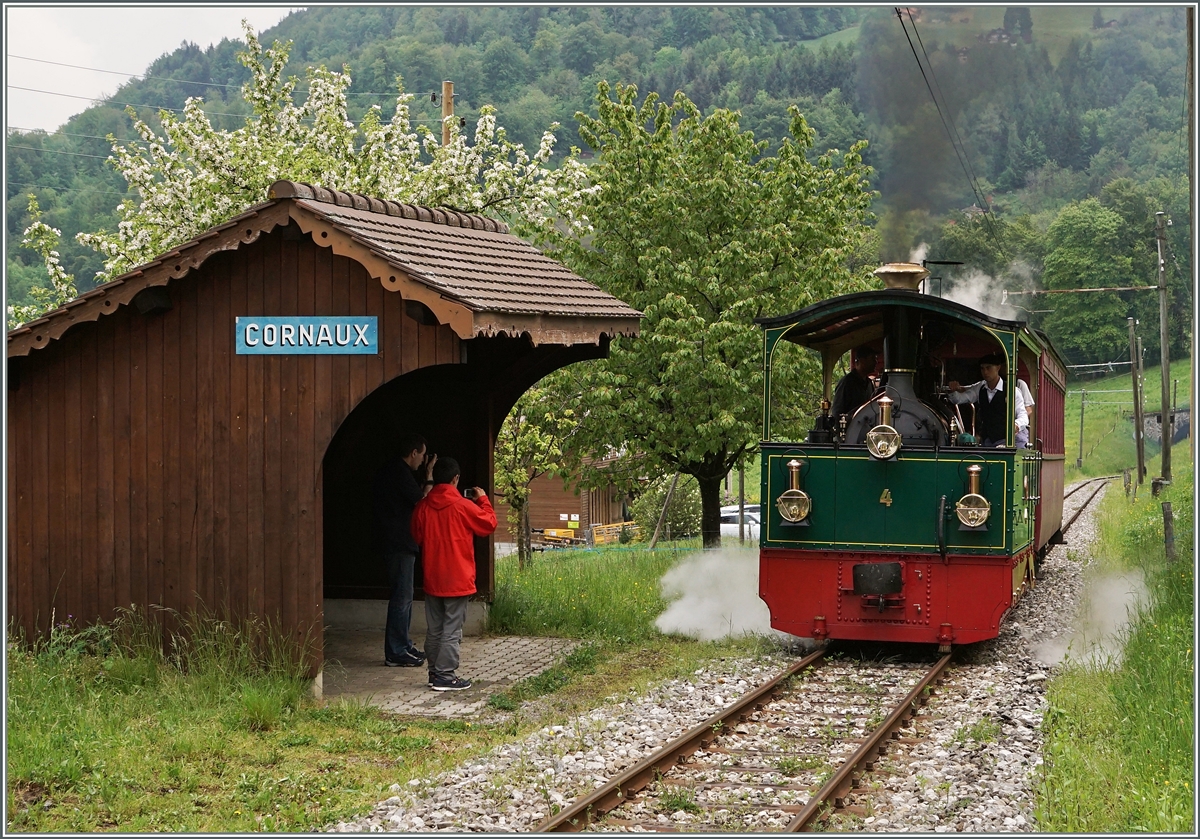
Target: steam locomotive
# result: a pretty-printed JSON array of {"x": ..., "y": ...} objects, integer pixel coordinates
[{"x": 893, "y": 523}]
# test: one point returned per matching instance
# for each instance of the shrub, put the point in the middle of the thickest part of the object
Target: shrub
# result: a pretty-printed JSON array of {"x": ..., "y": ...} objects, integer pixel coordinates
[{"x": 683, "y": 514}]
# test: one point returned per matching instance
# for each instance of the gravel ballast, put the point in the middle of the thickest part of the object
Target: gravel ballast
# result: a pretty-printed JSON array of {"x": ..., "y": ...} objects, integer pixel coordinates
[{"x": 971, "y": 767}]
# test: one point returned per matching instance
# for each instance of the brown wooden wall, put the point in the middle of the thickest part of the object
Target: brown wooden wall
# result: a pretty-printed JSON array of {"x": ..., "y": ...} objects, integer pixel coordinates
[
  {"x": 150, "y": 464},
  {"x": 549, "y": 499}
]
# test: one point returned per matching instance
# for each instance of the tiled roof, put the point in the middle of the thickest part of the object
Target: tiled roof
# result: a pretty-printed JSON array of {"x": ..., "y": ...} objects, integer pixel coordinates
[
  {"x": 476, "y": 262},
  {"x": 468, "y": 259}
]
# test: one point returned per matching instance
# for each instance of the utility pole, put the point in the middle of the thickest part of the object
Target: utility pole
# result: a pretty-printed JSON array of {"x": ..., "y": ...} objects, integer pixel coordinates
[
  {"x": 447, "y": 110},
  {"x": 1082, "y": 405},
  {"x": 1164, "y": 337},
  {"x": 1141, "y": 395},
  {"x": 1134, "y": 369}
]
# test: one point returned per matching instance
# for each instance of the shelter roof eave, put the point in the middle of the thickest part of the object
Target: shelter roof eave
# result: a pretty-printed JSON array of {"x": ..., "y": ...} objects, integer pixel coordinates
[{"x": 468, "y": 270}]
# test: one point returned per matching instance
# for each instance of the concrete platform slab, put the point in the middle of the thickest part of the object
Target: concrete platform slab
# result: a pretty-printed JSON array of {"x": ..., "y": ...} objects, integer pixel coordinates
[{"x": 354, "y": 668}]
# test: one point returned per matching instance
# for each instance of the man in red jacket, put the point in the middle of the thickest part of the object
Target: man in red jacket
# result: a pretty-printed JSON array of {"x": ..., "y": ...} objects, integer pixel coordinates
[{"x": 444, "y": 525}]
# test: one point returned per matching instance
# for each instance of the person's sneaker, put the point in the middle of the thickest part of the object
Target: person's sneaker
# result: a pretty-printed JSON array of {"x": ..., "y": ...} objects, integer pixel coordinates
[
  {"x": 449, "y": 683},
  {"x": 408, "y": 658}
]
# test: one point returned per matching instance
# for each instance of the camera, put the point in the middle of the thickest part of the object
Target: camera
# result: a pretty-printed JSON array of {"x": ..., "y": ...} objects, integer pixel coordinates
[{"x": 469, "y": 492}]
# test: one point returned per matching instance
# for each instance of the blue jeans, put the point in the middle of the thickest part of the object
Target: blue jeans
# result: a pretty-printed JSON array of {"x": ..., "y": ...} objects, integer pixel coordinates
[{"x": 399, "y": 614}]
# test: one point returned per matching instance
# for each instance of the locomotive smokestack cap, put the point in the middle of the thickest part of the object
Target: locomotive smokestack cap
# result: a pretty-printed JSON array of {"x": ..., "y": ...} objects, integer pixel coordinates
[{"x": 906, "y": 275}]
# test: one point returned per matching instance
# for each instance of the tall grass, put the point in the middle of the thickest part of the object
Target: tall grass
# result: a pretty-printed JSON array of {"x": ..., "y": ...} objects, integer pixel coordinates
[
  {"x": 609, "y": 593},
  {"x": 1119, "y": 751}
]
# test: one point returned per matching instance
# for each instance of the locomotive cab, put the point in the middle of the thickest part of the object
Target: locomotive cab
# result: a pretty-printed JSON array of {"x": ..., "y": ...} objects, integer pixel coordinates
[{"x": 890, "y": 521}]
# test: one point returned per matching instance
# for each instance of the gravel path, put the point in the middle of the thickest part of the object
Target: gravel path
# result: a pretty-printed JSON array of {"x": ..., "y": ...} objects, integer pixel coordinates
[{"x": 971, "y": 768}]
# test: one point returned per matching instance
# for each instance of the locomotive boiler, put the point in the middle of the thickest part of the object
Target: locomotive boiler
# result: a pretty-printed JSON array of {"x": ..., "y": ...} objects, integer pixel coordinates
[{"x": 891, "y": 522}]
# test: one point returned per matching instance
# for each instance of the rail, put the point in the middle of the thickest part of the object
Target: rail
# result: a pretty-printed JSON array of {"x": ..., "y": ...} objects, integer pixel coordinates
[
  {"x": 580, "y": 814},
  {"x": 863, "y": 759}
]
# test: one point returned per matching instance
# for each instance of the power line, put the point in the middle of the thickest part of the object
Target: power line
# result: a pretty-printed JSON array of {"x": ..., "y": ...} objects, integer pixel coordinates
[
  {"x": 951, "y": 132},
  {"x": 102, "y": 101},
  {"x": 56, "y": 151},
  {"x": 69, "y": 189},
  {"x": 57, "y": 133},
  {"x": 145, "y": 77},
  {"x": 99, "y": 101}
]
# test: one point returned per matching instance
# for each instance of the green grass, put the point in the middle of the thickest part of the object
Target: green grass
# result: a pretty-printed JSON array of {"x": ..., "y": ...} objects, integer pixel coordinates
[
  {"x": 609, "y": 593},
  {"x": 219, "y": 734},
  {"x": 1108, "y": 445},
  {"x": 1119, "y": 742},
  {"x": 106, "y": 732}
]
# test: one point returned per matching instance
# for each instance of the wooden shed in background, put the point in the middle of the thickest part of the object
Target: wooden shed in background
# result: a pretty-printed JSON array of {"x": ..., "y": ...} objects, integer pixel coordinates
[{"x": 150, "y": 462}]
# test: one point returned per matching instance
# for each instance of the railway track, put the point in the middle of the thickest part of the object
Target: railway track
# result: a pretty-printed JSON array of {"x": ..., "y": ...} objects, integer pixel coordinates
[
  {"x": 1100, "y": 484},
  {"x": 1089, "y": 481},
  {"x": 779, "y": 759}
]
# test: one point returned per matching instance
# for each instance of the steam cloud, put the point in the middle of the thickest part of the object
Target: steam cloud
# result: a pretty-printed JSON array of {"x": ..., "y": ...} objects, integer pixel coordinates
[
  {"x": 715, "y": 595},
  {"x": 983, "y": 292},
  {"x": 1109, "y": 603}
]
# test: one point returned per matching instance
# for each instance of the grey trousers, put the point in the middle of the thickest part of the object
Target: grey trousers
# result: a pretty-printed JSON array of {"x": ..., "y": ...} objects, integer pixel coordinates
[{"x": 444, "y": 618}]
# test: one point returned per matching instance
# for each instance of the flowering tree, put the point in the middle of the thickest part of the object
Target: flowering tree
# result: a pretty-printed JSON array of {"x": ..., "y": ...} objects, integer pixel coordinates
[
  {"x": 43, "y": 239},
  {"x": 195, "y": 176}
]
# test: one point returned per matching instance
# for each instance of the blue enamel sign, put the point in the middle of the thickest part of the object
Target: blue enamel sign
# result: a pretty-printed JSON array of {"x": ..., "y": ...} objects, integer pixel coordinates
[{"x": 301, "y": 335}]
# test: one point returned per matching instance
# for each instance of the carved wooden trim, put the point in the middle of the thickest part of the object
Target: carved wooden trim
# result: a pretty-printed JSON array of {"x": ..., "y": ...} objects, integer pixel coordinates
[
  {"x": 174, "y": 265},
  {"x": 554, "y": 329}
]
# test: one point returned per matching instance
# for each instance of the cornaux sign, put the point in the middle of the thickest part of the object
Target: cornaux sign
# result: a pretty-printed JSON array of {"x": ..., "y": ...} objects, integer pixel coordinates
[{"x": 307, "y": 335}]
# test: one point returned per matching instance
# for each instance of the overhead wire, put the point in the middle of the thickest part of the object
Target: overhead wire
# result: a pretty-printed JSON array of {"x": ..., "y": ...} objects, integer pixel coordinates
[
  {"x": 99, "y": 101},
  {"x": 146, "y": 77},
  {"x": 68, "y": 188},
  {"x": 951, "y": 132}
]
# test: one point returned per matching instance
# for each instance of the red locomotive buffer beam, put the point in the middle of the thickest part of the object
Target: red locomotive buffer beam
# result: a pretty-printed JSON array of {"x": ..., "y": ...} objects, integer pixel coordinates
[{"x": 890, "y": 597}]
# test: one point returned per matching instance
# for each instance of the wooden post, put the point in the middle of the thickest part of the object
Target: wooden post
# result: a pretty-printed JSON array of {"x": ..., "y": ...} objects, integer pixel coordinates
[
  {"x": 1137, "y": 402},
  {"x": 1164, "y": 338},
  {"x": 742, "y": 503},
  {"x": 1141, "y": 397},
  {"x": 1082, "y": 404},
  {"x": 663, "y": 515},
  {"x": 1168, "y": 531},
  {"x": 447, "y": 110}
]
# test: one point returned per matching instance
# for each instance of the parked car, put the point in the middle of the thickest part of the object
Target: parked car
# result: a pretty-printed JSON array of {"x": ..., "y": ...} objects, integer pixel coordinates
[
  {"x": 729, "y": 525},
  {"x": 733, "y": 508}
]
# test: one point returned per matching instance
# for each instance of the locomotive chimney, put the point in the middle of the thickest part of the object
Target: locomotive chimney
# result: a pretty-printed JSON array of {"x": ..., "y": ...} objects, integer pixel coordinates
[{"x": 905, "y": 275}]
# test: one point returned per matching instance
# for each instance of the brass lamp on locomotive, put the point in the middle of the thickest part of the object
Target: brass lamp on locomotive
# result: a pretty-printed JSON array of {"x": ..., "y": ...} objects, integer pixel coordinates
[{"x": 892, "y": 522}]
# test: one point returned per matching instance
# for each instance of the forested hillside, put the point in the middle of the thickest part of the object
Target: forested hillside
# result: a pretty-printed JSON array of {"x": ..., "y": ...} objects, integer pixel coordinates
[{"x": 1072, "y": 119}]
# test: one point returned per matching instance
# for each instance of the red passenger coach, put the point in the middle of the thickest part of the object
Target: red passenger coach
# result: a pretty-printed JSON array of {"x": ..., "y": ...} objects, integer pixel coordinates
[{"x": 891, "y": 520}]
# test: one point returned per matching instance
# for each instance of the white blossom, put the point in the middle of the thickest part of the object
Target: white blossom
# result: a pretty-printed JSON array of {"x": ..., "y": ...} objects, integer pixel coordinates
[{"x": 194, "y": 176}]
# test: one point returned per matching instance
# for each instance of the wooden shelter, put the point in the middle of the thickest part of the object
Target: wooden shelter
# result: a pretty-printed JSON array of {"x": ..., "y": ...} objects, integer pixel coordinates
[{"x": 159, "y": 452}]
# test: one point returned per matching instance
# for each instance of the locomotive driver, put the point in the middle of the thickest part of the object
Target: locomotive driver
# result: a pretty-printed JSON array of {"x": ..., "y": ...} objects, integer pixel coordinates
[
  {"x": 990, "y": 403},
  {"x": 857, "y": 387}
]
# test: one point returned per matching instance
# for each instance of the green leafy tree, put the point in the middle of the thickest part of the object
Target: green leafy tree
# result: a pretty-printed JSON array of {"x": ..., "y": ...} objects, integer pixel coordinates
[
  {"x": 533, "y": 441},
  {"x": 1083, "y": 251},
  {"x": 695, "y": 227}
]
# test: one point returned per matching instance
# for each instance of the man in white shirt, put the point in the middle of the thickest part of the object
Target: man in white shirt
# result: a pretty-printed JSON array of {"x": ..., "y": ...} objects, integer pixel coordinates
[
  {"x": 1024, "y": 431},
  {"x": 991, "y": 410}
]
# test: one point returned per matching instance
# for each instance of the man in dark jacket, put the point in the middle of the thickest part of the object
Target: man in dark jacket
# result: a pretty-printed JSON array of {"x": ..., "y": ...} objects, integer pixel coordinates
[
  {"x": 856, "y": 388},
  {"x": 445, "y": 525},
  {"x": 399, "y": 485}
]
